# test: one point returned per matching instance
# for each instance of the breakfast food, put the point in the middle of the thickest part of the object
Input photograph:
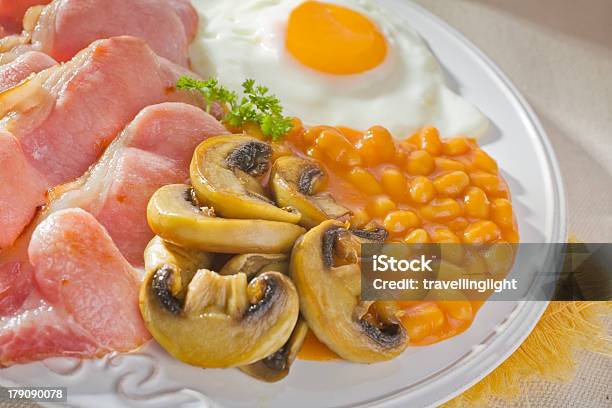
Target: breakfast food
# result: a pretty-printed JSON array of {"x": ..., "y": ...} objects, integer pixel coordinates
[
  {"x": 175, "y": 214},
  {"x": 154, "y": 150},
  {"x": 12, "y": 13},
  {"x": 224, "y": 173},
  {"x": 339, "y": 62},
  {"x": 248, "y": 222},
  {"x": 58, "y": 122},
  {"x": 345, "y": 188},
  {"x": 422, "y": 189},
  {"x": 295, "y": 183},
  {"x": 329, "y": 288},
  {"x": 213, "y": 320},
  {"x": 77, "y": 266},
  {"x": 276, "y": 366},
  {"x": 28, "y": 63},
  {"x": 64, "y": 27}
]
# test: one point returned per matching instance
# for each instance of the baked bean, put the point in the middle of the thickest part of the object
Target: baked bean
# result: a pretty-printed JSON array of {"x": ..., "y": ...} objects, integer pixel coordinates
[
  {"x": 501, "y": 212},
  {"x": 458, "y": 224},
  {"x": 490, "y": 183},
  {"x": 422, "y": 190},
  {"x": 428, "y": 139},
  {"x": 310, "y": 135},
  {"x": 417, "y": 236},
  {"x": 453, "y": 302},
  {"x": 394, "y": 183},
  {"x": 316, "y": 154},
  {"x": 443, "y": 235},
  {"x": 476, "y": 203},
  {"x": 400, "y": 221},
  {"x": 475, "y": 265},
  {"x": 481, "y": 232},
  {"x": 499, "y": 258},
  {"x": 448, "y": 271},
  {"x": 484, "y": 162},
  {"x": 338, "y": 148},
  {"x": 456, "y": 146},
  {"x": 363, "y": 180},
  {"x": 420, "y": 163},
  {"x": 376, "y": 146},
  {"x": 457, "y": 309},
  {"x": 444, "y": 164},
  {"x": 440, "y": 209},
  {"x": 359, "y": 218},
  {"x": 423, "y": 320},
  {"x": 380, "y": 206},
  {"x": 451, "y": 184}
]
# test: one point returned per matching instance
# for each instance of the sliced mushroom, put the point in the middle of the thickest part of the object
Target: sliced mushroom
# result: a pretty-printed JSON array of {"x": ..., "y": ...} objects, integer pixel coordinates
[
  {"x": 254, "y": 264},
  {"x": 213, "y": 320},
  {"x": 276, "y": 366},
  {"x": 329, "y": 287},
  {"x": 174, "y": 215},
  {"x": 181, "y": 263},
  {"x": 297, "y": 183},
  {"x": 371, "y": 233},
  {"x": 226, "y": 172}
]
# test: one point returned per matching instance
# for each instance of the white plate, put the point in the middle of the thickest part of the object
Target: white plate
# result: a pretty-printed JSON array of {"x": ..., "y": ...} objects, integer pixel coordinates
[{"x": 421, "y": 376}]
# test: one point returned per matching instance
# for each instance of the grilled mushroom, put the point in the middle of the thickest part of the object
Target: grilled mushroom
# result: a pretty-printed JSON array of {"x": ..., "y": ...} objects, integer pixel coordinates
[
  {"x": 226, "y": 172},
  {"x": 254, "y": 264},
  {"x": 297, "y": 183},
  {"x": 327, "y": 277},
  {"x": 213, "y": 320},
  {"x": 174, "y": 215},
  {"x": 276, "y": 366},
  {"x": 372, "y": 233},
  {"x": 182, "y": 263}
]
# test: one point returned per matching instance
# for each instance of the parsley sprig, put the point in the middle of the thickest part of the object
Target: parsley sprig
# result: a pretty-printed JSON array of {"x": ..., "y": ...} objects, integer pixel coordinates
[{"x": 256, "y": 105}]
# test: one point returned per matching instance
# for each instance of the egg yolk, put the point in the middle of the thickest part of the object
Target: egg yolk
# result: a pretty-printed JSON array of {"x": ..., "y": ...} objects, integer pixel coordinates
[{"x": 334, "y": 39}]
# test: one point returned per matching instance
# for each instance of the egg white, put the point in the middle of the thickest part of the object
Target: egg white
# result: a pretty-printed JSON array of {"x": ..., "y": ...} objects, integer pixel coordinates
[{"x": 241, "y": 39}]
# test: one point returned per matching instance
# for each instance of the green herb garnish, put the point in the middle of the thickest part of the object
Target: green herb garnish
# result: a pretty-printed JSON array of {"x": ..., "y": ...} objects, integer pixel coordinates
[{"x": 256, "y": 105}]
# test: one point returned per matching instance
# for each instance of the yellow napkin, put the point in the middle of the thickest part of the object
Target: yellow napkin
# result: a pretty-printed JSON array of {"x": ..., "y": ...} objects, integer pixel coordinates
[{"x": 548, "y": 352}]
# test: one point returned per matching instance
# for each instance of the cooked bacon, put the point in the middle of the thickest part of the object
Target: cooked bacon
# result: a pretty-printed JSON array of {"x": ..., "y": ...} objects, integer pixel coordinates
[
  {"x": 16, "y": 71},
  {"x": 67, "y": 26},
  {"x": 91, "y": 290},
  {"x": 57, "y": 123},
  {"x": 73, "y": 257},
  {"x": 154, "y": 150},
  {"x": 12, "y": 12}
]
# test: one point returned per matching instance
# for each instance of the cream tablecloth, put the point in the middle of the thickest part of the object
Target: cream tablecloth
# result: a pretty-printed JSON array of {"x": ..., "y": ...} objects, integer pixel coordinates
[{"x": 559, "y": 55}]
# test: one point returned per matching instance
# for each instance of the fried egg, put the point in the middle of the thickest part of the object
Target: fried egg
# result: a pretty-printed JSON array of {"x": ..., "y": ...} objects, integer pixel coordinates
[{"x": 348, "y": 63}]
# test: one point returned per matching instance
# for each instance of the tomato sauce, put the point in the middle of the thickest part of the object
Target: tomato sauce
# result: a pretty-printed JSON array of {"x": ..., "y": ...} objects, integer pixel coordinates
[{"x": 422, "y": 189}]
